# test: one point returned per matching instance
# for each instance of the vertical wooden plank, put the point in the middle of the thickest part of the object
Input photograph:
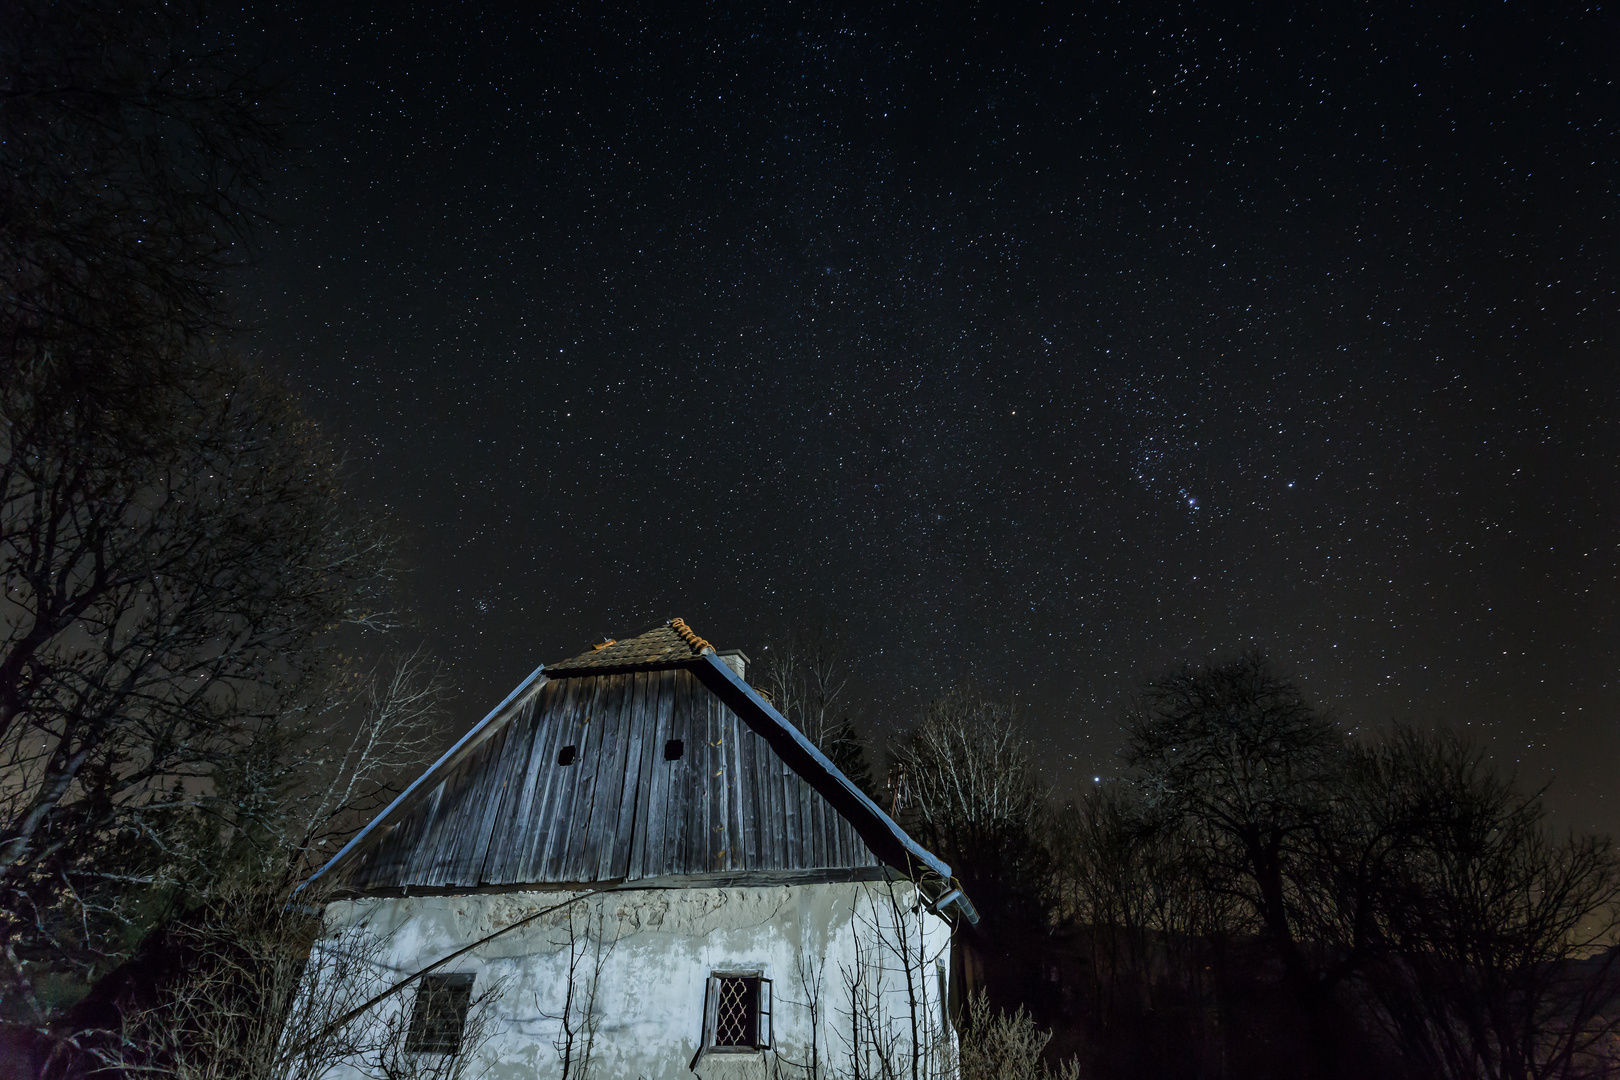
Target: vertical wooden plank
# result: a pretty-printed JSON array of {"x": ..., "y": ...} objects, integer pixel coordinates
[
  {"x": 697, "y": 853},
  {"x": 801, "y": 792},
  {"x": 574, "y": 780},
  {"x": 563, "y": 783},
  {"x": 736, "y": 849},
  {"x": 427, "y": 868},
  {"x": 577, "y": 861},
  {"x": 601, "y": 828},
  {"x": 720, "y": 844},
  {"x": 450, "y": 840},
  {"x": 790, "y": 815},
  {"x": 401, "y": 846},
  {"x": 650, "y": 830},
  {"x": 713, "y": 781},
  {"x": 815, "y": 847},
  {"x": 770, "y": 775},
  {"x": 748, "y": 811},
  {"x": 703, "y": 794},
  {"x": 503, "y": 865},
  {"x": 799, "y": 818},
  {"x": 579, "y": 864},
  {"x": 652, "y": 753},
  {"x": 503, "y": 776},
  {"x": 762, "y": 800},
  {"x": 694, "y": 842},
  {"x": 676, "y": 791},
  {"x": 529, "y": 844},
  {"x": 678, "y": 822},
  {"x": 793, "y": 824},
  {"x": 557, "y": 728},
  {"x": 615, "y": 857},
  {"x": 700, "y": 777},
  {"x": 439, "y": 835},
  {"x": 809, "y": 819},
  {"x": 420, "y": 871},
  {"x": 826, "y": 822},
  {"x": 818, "y": 827}
]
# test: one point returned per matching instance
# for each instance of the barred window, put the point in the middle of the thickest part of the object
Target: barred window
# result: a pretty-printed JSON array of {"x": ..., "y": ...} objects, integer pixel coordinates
[
  {"x": 440, "y": 1014},
  {"x": 737, "y": 1013}
]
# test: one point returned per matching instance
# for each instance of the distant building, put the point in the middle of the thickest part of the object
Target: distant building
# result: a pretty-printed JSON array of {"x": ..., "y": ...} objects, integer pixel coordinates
[{"x": 660, "y": 874}]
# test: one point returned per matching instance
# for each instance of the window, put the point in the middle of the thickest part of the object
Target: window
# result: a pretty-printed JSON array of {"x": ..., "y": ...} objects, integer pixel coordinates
[
  {"x": 674, "y": 749},
  {"x": 439, "y": 1015},
  {"x": 737, "y": 1013},
  {"x": 565, "y": 756}
]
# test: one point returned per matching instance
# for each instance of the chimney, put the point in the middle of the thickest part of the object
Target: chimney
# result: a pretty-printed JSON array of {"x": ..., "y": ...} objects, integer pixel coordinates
[{"x": 736, "y": 661}]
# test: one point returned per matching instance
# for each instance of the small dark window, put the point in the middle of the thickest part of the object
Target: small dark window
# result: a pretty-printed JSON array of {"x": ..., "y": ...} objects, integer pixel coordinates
[
  {"x": 674, "y": 749},
  {"x": 738, "y": 1013},
  {"x": 565, "y": 756},
  {"x": 439, "y": 1015}
]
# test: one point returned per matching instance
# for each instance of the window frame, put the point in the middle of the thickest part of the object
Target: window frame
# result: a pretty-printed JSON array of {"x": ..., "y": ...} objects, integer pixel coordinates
[
  {"x": 460, "y": 985},
  {"x": 764, "y": 1023}
]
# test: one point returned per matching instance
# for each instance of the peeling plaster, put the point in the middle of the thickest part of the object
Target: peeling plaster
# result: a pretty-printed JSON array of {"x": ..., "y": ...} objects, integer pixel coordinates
[{"x": 665, "y": 944}]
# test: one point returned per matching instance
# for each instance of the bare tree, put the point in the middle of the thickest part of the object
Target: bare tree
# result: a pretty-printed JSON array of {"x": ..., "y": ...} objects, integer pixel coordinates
[
  {"x": 1499, "y": 936},
  {"x": 873, "y": 1050},
  {"x": 385, "y": 1054},
  {"x": 165, "y": 631},
  {"x": 175, "y": 542},
  {"x": 1134, "y": 890},
  {"x": 257, "y": 989},
  {"x": 175, "y": 975},
  {"x": 895, "y": 1026},
  {"x": 970, "y": 789},
  {"x": 580, "y": 1017},
  {"x": 811, "y": 972},
  {"x": 896, "y": 1023},
  {"x": 1400, "y": 880},
  {"x": 805, "y": 676},
  {"x": 1233, "y": 756},
  {"x": 1235, "y": 753},
  {"x": 344, "y": 753}
]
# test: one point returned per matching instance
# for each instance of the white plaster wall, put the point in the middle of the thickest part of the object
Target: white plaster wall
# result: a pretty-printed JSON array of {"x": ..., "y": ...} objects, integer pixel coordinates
[{"x": 664, "y": 943}]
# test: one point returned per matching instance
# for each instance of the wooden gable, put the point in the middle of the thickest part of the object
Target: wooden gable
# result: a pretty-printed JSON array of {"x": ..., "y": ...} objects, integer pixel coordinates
[{"x": 513, "y": 806}]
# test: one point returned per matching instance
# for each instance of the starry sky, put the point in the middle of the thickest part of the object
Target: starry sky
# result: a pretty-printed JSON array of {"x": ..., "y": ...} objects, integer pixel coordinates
[{"x": 1035, "y": 349}]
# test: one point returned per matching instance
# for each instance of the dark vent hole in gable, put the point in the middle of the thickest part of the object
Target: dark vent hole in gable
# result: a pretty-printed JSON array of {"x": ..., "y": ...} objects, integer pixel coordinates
[
  {"x": 674, "y": 749},
  {"x": 565, "y": 756}
]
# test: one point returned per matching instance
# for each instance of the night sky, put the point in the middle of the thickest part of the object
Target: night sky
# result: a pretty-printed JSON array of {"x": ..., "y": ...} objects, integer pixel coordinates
[{"x": 1035, "y": 350}]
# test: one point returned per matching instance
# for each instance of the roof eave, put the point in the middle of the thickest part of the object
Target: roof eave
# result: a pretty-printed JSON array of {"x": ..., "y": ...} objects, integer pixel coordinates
[
  {"x": 361, "y": 839},
  {"x": 881, "y": 833}
]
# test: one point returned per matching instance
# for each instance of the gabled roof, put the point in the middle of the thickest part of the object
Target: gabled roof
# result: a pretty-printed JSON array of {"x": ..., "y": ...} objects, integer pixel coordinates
[{"x": 507, "y": 805}]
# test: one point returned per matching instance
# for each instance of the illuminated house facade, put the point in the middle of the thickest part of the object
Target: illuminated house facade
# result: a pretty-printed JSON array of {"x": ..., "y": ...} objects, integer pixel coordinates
[{"x": 637, "y": 867}]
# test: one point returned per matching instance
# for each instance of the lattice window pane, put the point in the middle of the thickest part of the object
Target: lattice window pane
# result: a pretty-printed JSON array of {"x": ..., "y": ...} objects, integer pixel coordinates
[
  {"x": 736, "y": 1018},
  {"x": 439, "y": 1015}
]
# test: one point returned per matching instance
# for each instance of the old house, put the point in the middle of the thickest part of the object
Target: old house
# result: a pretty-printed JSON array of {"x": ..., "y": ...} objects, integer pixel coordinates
[{"x": 636, "y": 866}]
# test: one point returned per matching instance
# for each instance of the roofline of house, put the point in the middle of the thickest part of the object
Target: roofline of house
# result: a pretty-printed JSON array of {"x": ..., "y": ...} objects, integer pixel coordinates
[
  {"x": 881, "y": 833},
  {"x": 887, "y": 840},
  {"x": 466, "y": 742}
]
